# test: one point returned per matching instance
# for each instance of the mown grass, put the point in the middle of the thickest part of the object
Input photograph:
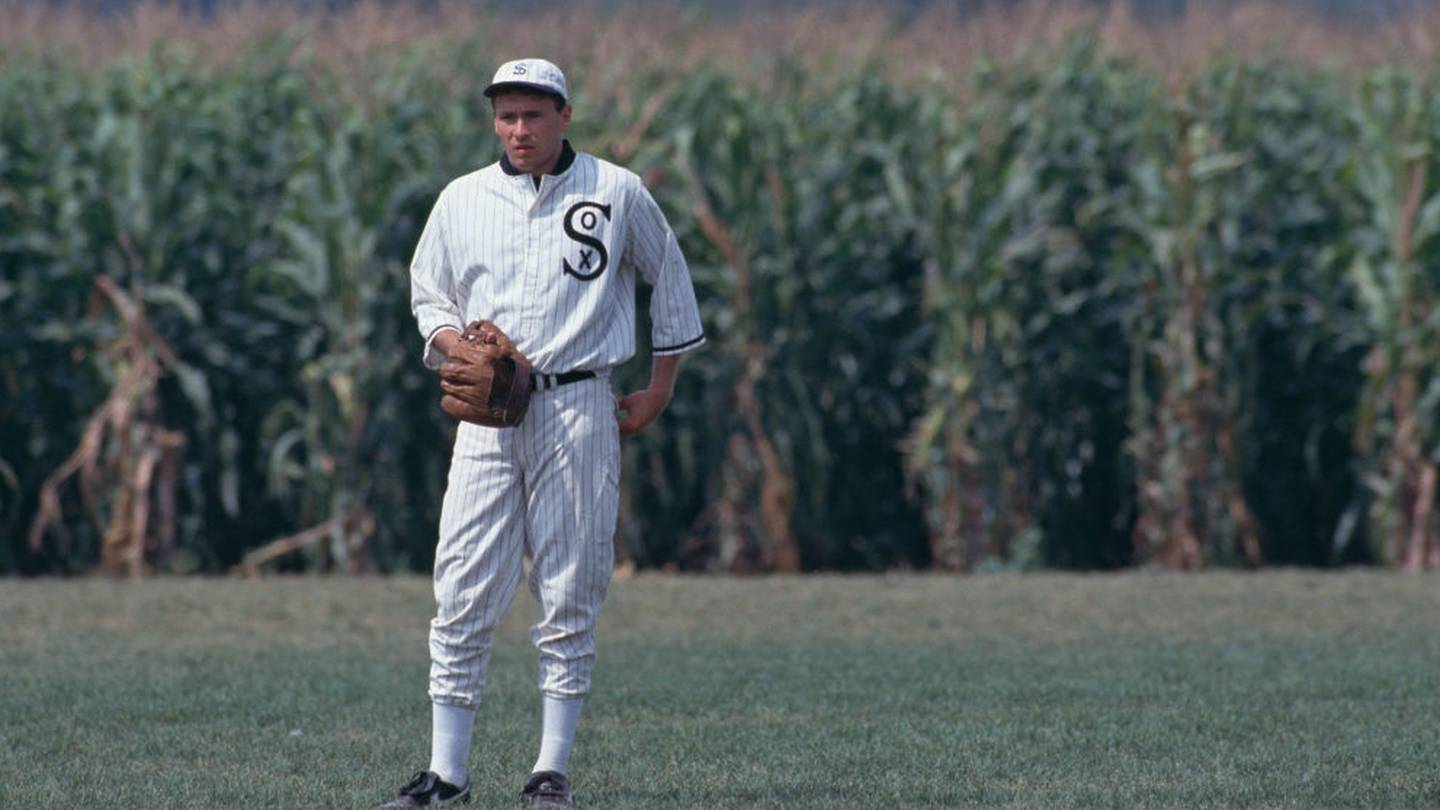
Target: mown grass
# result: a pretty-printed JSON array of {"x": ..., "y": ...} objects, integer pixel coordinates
[{"x": 1219, "y": 690}]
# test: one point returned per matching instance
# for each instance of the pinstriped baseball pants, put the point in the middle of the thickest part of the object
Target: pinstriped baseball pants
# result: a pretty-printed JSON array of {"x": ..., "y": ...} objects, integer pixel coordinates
[{"x": 549, "y": 487}]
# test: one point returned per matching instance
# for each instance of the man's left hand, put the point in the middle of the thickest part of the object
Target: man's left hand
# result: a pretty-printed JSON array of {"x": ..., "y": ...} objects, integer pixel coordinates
[{"x": 638, "y": 410}]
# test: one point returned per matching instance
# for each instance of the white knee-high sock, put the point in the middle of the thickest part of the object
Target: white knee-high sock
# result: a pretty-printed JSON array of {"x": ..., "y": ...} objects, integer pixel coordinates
[
  {"x": 558, "y": 735},
  {"x": 450, "y": 729}
]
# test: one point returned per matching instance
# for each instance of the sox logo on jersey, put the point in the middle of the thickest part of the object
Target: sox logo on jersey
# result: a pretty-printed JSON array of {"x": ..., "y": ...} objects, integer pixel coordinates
[{"x": 589, "y": 219}]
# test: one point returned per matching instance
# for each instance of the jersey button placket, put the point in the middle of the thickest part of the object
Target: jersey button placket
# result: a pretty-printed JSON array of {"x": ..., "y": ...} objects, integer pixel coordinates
[{"x": 533, "y": 221}]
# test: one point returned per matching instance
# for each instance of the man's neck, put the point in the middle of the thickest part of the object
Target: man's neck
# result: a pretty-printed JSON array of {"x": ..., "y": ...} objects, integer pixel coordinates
[{"x": 558, "y": 166}]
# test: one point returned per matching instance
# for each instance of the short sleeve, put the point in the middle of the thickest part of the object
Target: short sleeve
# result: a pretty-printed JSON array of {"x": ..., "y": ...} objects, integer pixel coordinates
[
  {"x": 654, "y": 253},
  {"x": 432, "y": 285}
]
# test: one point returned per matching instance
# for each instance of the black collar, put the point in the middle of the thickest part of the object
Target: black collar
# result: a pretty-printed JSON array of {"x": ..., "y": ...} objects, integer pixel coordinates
[{"x": 567, "y": 157}]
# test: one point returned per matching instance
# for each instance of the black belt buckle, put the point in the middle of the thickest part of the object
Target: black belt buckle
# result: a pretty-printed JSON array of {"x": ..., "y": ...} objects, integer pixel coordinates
[{"x": 544, "y": 382}]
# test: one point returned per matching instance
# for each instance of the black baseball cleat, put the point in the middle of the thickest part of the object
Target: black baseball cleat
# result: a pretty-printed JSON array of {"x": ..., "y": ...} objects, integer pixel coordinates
[
  {"x": 427, "y": 789},
  {"x": 546, "y": 789}
]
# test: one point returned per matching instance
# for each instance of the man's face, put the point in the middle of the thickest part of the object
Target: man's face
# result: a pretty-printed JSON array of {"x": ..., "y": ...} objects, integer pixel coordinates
[{"x": 531, "y": 130}]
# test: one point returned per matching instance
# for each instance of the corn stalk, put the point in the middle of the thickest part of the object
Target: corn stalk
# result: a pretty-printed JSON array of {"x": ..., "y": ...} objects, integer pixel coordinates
[
  {"x": 127, "y": 463},
  {"x": 1395, "y": 271}
]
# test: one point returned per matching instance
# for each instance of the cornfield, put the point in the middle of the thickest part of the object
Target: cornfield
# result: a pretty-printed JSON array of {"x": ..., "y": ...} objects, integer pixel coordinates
[{"x": 1061, "y": 312}]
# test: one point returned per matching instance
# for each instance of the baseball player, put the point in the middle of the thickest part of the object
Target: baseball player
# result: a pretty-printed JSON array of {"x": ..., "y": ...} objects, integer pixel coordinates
[{"x": 545, "y": 245}]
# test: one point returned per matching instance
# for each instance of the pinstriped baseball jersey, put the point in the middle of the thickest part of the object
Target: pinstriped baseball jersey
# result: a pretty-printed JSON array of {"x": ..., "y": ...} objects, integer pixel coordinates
[{"x": 553, "y": 266}]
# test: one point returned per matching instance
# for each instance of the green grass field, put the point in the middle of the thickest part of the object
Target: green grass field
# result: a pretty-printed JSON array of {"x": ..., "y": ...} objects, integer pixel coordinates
[{"x": 1139, "y": 690}]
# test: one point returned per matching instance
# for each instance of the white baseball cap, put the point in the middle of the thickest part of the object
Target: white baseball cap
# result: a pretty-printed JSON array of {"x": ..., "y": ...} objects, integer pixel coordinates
[{"x": 536, "y": 74}]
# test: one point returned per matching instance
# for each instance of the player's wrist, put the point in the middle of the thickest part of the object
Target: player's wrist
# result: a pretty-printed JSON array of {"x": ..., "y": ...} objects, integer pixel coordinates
[{"x": 445, "y": 339}]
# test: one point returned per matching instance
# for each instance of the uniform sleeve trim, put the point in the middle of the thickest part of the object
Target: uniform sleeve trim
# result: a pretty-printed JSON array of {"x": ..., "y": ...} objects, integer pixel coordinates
[
  {"x": 437, "y": 330},
  {"x": 679, "y": 347}
]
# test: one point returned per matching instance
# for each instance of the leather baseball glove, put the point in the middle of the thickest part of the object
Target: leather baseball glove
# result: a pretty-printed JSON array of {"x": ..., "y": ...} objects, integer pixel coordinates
[{"x": 486, "y": 380}]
